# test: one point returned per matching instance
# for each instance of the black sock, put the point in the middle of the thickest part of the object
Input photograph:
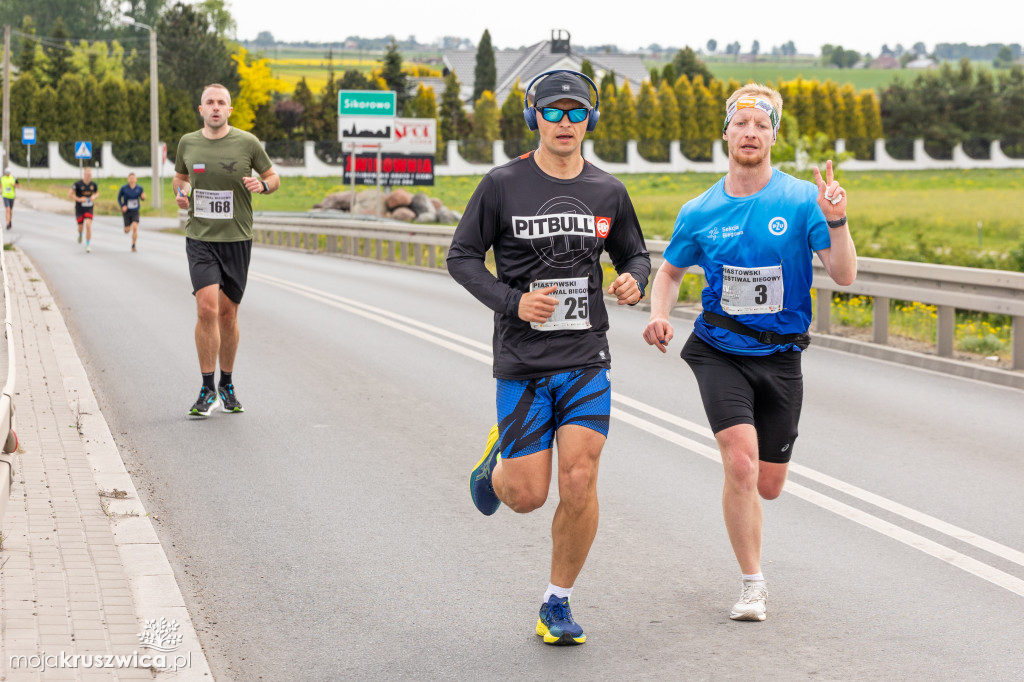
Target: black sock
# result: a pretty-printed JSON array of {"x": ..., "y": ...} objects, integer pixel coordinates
[
  {"x": 225, "y": 378},
  {"x": 208, "y": 380}
]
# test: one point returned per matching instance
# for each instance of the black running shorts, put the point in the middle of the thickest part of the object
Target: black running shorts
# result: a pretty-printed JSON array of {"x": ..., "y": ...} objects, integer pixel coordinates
[
  {"x": 223, "y": 263},
  {"x": 130, "y": 217},
  {"x": 766, "y": 391},
  {"x": 82, "y": 214}
]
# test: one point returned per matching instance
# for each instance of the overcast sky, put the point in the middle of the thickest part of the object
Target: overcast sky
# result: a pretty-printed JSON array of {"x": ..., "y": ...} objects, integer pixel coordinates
[{"x": 863, "y": 26}]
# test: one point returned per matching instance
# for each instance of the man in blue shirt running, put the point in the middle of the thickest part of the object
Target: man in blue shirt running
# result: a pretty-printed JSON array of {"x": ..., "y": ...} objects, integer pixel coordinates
[
  {"x": 128, "y": 199},
  {"x": 754, "y": 234}
]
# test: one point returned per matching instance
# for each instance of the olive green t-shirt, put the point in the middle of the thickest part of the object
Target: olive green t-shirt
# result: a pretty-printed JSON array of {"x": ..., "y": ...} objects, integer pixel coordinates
[{"x": 220, "y": 208}]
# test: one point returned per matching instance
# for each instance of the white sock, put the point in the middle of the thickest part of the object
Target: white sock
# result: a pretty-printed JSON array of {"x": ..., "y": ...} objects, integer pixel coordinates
[
  {"x": 752, "y": 577},
  {"x": 560, "y": 592}
]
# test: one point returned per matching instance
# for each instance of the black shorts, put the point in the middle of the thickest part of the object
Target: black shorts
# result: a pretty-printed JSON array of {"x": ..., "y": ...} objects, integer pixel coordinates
[
  {"x": 223, "y": 263},
  {"x": 766, "y": 391},
  {"x": 8, "y": 202},
  {"x": 130, "y": 217},
  {"x": 82, "y": 213}
]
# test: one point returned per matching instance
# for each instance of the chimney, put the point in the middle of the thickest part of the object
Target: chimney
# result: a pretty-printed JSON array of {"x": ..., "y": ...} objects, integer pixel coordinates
[{"x": 559, "y": 41}]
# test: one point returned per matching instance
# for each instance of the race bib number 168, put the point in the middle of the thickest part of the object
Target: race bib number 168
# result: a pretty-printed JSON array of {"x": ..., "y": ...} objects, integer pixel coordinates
[{"x": 218, "y": 205}]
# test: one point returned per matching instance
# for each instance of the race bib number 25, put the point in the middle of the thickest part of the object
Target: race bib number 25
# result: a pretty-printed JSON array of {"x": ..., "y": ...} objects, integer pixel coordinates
[
  {"x": 573, "y": 309},
  {"x": 218, "y": 205}
]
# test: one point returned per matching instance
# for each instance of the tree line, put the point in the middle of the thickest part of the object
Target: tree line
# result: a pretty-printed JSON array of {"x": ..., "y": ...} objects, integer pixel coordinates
[
  {"x": 957, "y": 104},
  {"x": 79, "y": 90}
]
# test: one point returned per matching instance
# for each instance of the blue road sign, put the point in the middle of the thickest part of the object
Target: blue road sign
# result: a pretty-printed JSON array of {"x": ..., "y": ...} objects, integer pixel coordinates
[
  {"x": 28, "y": 135},
  {"x": 83, "y": 150}
]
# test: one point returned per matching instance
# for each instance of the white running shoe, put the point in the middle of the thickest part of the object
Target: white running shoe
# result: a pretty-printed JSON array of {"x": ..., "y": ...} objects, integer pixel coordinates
[{"x": 753, "y": 603}]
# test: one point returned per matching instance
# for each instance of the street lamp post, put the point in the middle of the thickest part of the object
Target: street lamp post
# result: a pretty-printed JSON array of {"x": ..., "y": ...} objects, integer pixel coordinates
[{"x": 154, "y": 113}]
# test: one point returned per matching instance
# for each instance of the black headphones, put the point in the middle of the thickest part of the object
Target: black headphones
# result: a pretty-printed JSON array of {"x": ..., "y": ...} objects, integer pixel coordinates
[{"x": 530, "y": 113}]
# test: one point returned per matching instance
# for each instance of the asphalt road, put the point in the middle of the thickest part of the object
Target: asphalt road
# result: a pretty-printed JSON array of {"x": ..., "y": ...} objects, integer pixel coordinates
[{"x": 327, "y": 533}]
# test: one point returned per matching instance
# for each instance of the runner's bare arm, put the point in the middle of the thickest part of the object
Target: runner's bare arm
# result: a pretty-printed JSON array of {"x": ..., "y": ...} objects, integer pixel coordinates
[
  {"x": 840, "y": 259},
  {"x": 664, "y": 293}
]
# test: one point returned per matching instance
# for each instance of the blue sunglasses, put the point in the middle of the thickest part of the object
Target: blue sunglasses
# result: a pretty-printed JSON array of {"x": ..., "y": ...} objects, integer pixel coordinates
[{"x": 554, "y": 114}]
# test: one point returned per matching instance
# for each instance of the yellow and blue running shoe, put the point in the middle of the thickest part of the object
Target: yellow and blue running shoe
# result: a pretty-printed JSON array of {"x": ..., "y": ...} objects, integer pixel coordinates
[
  {"x": 480, "y": 480},
  {"x": 556, "y": 625}
]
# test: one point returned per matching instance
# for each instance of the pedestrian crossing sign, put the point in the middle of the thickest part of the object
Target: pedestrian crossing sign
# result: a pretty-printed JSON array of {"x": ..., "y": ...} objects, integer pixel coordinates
[{"x": 83, "y": 150}]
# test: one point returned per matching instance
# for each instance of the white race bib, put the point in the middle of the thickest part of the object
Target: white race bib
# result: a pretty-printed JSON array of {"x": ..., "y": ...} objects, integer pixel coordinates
[
  {"x": 87, "y": 203},
  {"x": 133, "y": 204},
  {"x": 217, "y": 205},
  {"x": 573, "y": 309},
  {"x": 752, "y": 291}
]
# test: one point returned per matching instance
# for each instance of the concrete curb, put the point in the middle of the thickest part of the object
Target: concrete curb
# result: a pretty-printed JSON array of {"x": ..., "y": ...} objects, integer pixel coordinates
[{"x": 154, "y": 589}]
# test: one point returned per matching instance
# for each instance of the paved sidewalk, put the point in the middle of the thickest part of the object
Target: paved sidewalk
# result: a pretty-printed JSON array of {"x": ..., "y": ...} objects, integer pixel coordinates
[{"x": 81, "y": 569}]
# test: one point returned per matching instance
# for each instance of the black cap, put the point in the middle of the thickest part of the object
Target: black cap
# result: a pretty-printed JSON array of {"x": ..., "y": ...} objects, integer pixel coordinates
[{"x": 562, "y": 85}]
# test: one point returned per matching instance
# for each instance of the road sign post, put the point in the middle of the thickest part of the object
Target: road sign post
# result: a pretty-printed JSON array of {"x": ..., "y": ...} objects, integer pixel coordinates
[
  {"x": 83, "y": 150},
  {"x": 366, "y": 116},
  {"x": 28, "y": 138}
]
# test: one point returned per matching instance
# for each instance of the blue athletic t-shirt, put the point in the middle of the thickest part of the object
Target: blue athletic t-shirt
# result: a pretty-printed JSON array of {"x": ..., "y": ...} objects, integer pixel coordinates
[
  {"x": 129, "y": 197},
  {"x": 779, "y": 227}
]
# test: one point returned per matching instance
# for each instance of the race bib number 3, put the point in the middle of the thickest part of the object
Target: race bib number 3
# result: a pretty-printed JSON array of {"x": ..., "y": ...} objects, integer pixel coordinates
[
  {"x": 573, "y": 309},
  {"x": 217, "y": 205},
  {"x": 752, "y": 291}
]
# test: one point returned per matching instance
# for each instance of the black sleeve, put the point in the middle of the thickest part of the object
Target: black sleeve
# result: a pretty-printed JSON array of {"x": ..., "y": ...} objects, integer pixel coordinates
[
  {"x": 625, "y": 244},
  {"x": 475, "y": 234}
]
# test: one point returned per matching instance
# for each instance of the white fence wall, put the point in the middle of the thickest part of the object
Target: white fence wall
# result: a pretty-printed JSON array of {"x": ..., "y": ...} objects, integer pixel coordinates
[{"x": 314, "y": 167}]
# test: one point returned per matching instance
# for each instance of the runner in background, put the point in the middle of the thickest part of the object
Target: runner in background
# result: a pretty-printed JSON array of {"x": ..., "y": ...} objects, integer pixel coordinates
[
  {"x": 128, "y": 199},
  {"x": 214, "y": 181},
  {"x": 84, "y": 192},
  {"x": 7, "y": 185}
]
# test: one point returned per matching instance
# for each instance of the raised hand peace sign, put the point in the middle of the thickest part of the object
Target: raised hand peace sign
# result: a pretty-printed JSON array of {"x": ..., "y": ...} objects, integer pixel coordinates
[{"x": 831, "y": 196}]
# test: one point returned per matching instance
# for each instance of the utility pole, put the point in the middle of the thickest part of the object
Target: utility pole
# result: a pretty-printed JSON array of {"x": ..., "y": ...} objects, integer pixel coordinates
[
  {"x": 7, "y": 98},
  {"x": 154, "y": 113}
]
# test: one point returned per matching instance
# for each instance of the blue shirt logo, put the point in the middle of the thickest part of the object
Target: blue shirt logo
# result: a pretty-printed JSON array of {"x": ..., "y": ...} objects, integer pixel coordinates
[{"x": 778, "y": 226}]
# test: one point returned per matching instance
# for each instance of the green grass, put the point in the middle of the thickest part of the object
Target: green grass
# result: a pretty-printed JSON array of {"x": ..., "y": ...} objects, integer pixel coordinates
[{"x": 765, "y": 72}]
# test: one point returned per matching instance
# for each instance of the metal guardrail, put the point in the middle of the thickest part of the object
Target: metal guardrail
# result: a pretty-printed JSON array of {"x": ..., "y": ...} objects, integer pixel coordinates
[{"x": 947, "y": 287}]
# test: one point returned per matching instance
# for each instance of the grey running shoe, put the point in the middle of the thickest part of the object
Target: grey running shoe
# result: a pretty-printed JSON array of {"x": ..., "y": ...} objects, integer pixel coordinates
[
  {"x": 228, "y": 399},
  {"x": 204, "y": 404},
  {"x": 753, "y": 603}
]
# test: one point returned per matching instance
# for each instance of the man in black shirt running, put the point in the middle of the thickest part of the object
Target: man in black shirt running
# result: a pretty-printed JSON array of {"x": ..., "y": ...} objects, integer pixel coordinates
[
  {"x": 548, "y": 215},
  {"x": 84, "y": 192}
]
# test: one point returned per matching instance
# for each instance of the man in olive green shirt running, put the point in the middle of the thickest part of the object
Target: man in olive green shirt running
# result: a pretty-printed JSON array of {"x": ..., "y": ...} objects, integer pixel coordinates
[{"x": 214, "y": 181}]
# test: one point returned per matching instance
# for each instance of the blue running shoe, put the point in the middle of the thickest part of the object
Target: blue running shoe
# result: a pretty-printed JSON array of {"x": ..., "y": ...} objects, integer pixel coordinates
[
  {"x": 556, "y": 625},
  {"x": 480, "y": 480}
]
